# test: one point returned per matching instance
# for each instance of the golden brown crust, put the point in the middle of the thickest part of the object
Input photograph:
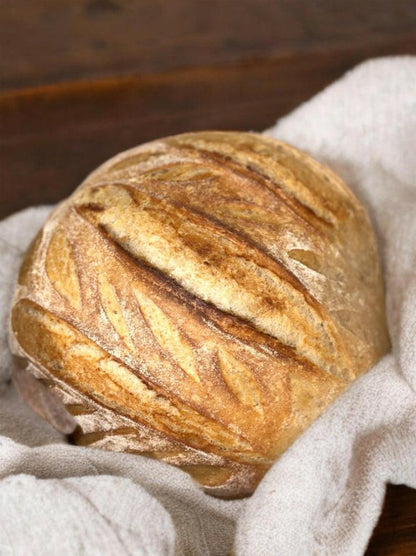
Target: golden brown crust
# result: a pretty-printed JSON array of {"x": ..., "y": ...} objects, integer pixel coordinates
[{"x": 201, "y": 299}]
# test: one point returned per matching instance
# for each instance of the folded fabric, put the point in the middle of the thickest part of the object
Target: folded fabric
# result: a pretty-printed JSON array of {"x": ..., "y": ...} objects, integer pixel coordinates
[{"x": 324, "y": 495}]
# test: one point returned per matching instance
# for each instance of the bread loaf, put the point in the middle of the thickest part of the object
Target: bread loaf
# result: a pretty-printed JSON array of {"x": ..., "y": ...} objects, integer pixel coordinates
[{"x": 201, "y": 299}]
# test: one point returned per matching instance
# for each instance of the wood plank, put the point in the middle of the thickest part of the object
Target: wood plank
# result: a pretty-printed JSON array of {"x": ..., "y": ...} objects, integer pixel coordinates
[
  {"x": 44, "y": 41},
  {"x": 53, "y": 136}
]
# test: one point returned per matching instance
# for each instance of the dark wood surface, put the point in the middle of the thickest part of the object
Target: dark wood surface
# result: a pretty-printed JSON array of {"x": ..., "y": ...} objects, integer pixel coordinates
[
  {"x": 52, "y": 136},
  {"x": 81, "y": 81},
  {"x": 49, "y": 41},
  {"x": 395, "y": 533}
]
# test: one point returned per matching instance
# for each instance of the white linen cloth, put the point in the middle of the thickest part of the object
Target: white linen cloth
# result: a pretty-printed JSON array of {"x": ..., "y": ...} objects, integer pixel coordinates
[{"x": 325, "y": 493}]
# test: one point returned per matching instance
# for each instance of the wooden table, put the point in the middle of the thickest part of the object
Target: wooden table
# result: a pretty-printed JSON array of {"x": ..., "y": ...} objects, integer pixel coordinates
[{"x": 81, "y": 81}]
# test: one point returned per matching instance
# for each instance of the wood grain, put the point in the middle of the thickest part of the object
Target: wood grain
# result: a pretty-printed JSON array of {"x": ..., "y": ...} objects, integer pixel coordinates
[
  {"x": 45, "y": 42},
  {"x": 395, "y": 534},
  {"x": 102, "y": 75},
  {"x": 53, "y": 136}
]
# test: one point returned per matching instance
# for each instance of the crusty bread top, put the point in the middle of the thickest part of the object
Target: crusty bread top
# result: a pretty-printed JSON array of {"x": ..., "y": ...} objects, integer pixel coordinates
[{"x": 216, "y": 289}]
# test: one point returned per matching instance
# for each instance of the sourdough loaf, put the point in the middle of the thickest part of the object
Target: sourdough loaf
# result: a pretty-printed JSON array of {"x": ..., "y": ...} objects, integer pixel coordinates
[{"x": 201, "y": 299}]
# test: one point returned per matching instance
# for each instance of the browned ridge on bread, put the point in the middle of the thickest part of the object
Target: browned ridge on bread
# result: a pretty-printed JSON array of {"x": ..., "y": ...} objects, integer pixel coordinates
[{"x": 201, "y": 299}]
